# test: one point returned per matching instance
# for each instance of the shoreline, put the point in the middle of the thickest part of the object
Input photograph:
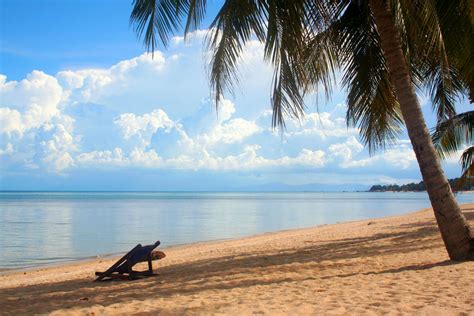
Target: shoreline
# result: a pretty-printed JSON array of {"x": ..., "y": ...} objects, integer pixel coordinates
[
  {"x": 116, "y": 256},
  {"x": 388, "y": 265}
]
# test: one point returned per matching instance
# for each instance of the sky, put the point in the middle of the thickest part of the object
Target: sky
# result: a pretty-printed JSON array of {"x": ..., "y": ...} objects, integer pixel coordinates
[{"x": 83, "y": 106}]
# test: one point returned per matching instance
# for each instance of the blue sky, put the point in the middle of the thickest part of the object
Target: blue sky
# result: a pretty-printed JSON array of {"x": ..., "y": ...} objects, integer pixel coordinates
[{"x": 83, "y": 107}]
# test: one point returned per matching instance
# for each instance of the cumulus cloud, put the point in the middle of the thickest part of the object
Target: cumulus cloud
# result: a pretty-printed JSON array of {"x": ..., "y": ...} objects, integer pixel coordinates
[
  {"x": 156, "y": 112},
  {"x": 399, "y": 156},
  {"x": 236, "y": 130},
  {"x": 346, "y": 151},
  {"x": 94, "y": 85},
  {"x": 29, "y": 103},
  {"x": 144, "y": 126},
  {"x": 56, "y": 145},
  {"x": 32, "y": 124},
  {"x": 108, "y": 158},
  {"x": 323, "y": 125},
  {"x": 192, "y": 38}
]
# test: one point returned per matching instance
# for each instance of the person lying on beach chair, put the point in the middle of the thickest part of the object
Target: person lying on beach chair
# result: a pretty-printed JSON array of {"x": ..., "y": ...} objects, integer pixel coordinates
[{"x": 122, "y": 269}]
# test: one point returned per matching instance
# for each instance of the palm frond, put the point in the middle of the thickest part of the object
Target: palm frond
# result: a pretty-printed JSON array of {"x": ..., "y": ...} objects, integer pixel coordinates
[
  {"x": 429, "y": 56},
  {"x": 281, "y": 26},
  {"x": 467, "y": 158},
  {"x": 196, "y": 13},
  {"x": 306, "y": 41},
  {"x": 441, "y": 34},
  {"x": 446, "y": 89},
  {"x": 451, "y": 135},
  {"x": 234, "y": 25},
  {"x": 283, "y": 47},
  {"x": 160, "y": 18},
  {"x": 467, "y": 167},
  {"x": 372, "y": 105},
  {"x": 320, "y": 55},
  {"x": 457, "y": 26}
]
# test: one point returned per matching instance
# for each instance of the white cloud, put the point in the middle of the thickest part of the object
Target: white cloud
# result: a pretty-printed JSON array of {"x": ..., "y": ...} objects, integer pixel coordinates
[
  {"x": 236, "y": 130},
  {"x": 191, "y": 38},
  {"x": 143, "y": 127},
  {"x": 56, "y": 145},
  {"x": 345, "y": 151},
  {"x": 29, "y": 103},
  {"x": 399, "y": 156},
  {"x": 32, "y": 124},
  {"x": 156, "y": 113},
  {"x": 95, "y": 85},
  {"x": 10, "y": 121},
  {"x": 224, "y": 129},
  {"x": 322, "y": 125},
  {"x": 106, "y": 157}
]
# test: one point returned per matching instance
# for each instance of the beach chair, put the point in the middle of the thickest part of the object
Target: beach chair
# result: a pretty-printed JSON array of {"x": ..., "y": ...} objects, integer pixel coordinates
[{"x": 123, "y": 268}]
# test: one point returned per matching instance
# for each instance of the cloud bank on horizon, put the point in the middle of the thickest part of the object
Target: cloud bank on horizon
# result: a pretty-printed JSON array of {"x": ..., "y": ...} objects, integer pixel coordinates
[{"x": 153, "y": 115}]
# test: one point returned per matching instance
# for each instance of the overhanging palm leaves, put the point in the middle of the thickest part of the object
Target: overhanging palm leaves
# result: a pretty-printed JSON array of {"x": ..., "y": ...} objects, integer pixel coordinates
[
  {"x": 163, "y": 18},
  {"x": 372, "y": 105},
  {"x": 450, "y": 136},
  {"x": 308, "y": 41},
  {"x": 230, "y": 32},
  {"x": 446, "y": 68}
]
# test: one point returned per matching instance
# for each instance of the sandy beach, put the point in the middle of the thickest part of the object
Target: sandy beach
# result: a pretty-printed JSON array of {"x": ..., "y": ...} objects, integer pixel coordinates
[{"x": 395, "y": 265}]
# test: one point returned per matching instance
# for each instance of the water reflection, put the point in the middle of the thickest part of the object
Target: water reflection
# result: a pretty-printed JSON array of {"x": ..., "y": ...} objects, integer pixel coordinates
[{"x": 37, "y": 228}]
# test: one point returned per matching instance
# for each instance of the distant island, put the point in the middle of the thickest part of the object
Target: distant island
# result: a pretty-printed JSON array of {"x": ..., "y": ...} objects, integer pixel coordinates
[{"x": 418, "y": 187}]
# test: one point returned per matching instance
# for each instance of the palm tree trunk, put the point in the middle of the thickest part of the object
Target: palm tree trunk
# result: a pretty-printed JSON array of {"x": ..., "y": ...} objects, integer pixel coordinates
[{"x": 455, "y": 231}]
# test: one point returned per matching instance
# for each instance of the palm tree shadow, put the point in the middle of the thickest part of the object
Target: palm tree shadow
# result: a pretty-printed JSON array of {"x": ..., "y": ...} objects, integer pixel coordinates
[{"x": 420, "y": 267}]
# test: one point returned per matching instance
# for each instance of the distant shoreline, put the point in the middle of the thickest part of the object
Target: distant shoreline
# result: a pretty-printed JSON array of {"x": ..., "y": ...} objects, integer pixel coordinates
[
  {"x": 412, "y": 191},
  {"x": 342, "y": 191},
  {"x": 457, "y": 185}
]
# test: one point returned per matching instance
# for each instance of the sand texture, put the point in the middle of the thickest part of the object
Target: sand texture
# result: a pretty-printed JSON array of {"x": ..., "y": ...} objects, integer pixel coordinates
[{"x": 393, "y": 266}]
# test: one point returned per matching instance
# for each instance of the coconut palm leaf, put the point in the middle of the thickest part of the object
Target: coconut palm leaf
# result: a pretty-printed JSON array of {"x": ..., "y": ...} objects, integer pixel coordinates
[
  {"x": 371, "y": 101},
  {"x": 159, "y": 19},
  {"x": 234, "y": 25},
  {"x": 457, "y": 26},
  {"x": 196, "y": 13},
  {"x": 466, "y": 161},
  {"x": 451, "y": 135},
  {"x": 446, "y": 89},
  {"x": 284, "y": 44},
  {"x": 425, "y": 25},
  {"x": 428, "y": 24},
  {"x": 308, "y": 41},
  {"x": 467, "y": 167}
]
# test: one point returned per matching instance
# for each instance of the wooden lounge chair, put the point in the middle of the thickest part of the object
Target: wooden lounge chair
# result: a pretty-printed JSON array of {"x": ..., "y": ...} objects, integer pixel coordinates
[{"x": 122, "y": 269}]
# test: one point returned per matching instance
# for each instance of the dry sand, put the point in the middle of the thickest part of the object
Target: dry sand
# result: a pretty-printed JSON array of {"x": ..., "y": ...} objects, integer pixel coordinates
[{"x": 393, "y": 266}]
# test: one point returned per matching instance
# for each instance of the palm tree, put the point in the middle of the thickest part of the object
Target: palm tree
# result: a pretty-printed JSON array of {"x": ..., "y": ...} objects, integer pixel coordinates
[{"x": 385, "y": 49}]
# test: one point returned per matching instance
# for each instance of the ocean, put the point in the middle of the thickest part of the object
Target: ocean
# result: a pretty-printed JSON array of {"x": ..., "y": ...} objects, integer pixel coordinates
[{"x": 42, "y": 228}]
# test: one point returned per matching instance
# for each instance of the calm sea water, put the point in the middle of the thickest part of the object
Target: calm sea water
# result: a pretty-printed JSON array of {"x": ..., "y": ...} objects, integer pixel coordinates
[{"x": 39, "y": 228}]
